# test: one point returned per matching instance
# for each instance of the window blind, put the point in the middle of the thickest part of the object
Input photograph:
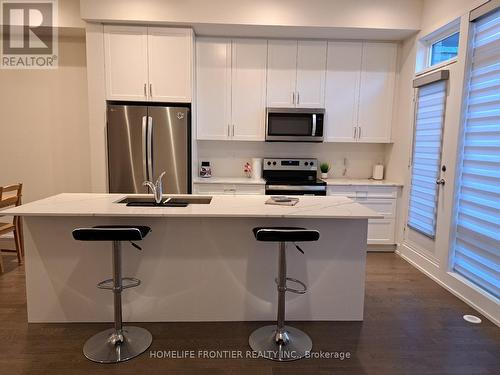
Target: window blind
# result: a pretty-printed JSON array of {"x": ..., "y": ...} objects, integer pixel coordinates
[
  {"x": 476, "y": 244},
  {"x": 426, "y": 158}
]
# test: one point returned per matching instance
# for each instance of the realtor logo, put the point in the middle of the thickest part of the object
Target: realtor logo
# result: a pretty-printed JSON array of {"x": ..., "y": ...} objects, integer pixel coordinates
[{"x": 29, "y": 34}]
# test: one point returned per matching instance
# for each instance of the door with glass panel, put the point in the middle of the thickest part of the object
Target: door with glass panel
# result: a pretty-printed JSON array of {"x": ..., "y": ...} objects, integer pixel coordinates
[
  {"x": 425, "y": 166},
  {"x": 475, "y": 245}
]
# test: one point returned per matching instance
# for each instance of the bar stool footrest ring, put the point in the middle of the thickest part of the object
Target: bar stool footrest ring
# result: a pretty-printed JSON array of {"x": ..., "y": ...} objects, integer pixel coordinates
[
  {"x": 127, "y": 282},
  {"x": 293, "y": 290}
]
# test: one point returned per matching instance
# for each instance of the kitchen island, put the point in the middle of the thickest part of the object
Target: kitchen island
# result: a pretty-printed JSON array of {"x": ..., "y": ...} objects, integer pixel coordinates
[{"x": 199, "y": 263}]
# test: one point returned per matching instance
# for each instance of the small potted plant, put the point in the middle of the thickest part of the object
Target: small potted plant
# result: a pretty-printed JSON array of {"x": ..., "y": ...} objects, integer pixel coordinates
[{"x": 324, "y": 167}]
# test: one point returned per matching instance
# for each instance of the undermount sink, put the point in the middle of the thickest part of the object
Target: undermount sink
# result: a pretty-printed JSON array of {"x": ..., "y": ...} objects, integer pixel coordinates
[{"x": 177, "y": 201}]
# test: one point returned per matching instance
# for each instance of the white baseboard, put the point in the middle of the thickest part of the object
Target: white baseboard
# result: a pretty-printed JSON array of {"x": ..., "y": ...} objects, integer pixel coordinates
[{"x": 430, "y": 270}]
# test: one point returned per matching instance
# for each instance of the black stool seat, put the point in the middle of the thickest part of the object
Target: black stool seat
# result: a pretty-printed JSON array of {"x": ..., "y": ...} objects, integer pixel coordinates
[
  {"x": 112, "y": 233},
  {"x": 285, "y": 234}
]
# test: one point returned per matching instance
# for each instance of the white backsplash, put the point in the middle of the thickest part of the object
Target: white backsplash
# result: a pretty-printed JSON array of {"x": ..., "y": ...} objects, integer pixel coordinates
[{"x": 228, "y": 157}]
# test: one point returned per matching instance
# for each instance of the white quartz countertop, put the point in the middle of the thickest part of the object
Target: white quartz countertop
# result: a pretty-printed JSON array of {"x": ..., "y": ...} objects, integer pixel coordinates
[
  {"x": 329, "y": 207},
  {"x": 329, "y": 181},
  {"x": 360, "y": 182},
  {"x": 229, "y": 180}
]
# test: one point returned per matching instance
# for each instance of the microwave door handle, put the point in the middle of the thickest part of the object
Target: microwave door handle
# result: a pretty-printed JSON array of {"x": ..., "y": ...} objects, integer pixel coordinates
[{"x": 313, "y": 125}]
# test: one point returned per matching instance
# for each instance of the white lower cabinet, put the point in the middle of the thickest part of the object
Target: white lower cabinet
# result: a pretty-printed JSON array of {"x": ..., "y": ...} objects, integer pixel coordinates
[
  {"x": 221, "y": 188},
  {"x": 381, "y": 199}
]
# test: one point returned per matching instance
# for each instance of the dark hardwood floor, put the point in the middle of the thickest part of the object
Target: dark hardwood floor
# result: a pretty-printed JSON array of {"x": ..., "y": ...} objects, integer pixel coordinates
[{"x": 411, "y": 326}]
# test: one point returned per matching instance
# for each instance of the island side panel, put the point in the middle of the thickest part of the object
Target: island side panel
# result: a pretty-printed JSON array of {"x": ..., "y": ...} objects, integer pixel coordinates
[{"x": 194, "y": 269}]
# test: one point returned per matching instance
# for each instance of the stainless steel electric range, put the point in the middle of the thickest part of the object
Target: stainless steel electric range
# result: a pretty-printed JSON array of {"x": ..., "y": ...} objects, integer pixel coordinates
[{"x": 292, "y": 177}]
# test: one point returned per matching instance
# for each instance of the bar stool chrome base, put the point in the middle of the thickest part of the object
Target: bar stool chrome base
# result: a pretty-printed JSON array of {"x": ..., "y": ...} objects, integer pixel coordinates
[
  {"x": 103, "y": 348},
  {"x": 297, "y": 344}
]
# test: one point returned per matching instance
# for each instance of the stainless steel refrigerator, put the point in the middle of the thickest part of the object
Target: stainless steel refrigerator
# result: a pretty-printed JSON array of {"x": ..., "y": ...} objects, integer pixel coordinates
[{"x": 145, "y": 140}]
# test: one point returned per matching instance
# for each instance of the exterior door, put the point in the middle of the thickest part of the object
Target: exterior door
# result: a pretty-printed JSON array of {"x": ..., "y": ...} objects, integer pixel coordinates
[
  {"x": 126, "y": 137},
  {"x": 425, "y": 204}
]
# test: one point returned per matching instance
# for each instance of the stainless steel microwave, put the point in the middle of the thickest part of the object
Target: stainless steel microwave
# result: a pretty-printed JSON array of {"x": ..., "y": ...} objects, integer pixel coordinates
[{"x": 294, "y": 124}]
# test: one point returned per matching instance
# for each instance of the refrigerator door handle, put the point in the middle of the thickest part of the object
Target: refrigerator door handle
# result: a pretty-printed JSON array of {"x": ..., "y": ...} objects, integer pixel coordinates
[
  {"x": 149, "y": 148},
  {"x": 144, "y": 148}
]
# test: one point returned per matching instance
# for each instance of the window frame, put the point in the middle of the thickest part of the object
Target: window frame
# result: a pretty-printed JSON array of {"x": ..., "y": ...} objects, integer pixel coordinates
[{"x": 426, "y": 43}]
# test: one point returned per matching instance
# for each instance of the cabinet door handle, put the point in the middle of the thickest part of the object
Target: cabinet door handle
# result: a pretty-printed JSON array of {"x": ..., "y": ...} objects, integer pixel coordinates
[
  {"x": 293, "y": 97},
  {"x": 228, "y": 131},
  {"x": 359, "y": 132},
  {"x": 298, "y": 97},
  {"x": 232, "y": 134},
  {"x": 355, "y": 132},
  {"x": 145, "y": 90},
  {"x": 151, "y": 90}
]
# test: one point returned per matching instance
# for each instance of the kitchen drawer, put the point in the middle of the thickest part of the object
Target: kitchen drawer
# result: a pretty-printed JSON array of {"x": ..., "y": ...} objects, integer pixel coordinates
[
  {"x": 213, "y": 188},
  {"x": 363, "y": 192},
  {"x": 381, "y": 231},
  {"x": 386, "y": 207}
]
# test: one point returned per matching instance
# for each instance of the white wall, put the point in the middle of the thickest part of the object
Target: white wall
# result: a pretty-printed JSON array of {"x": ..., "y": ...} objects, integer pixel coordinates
[
  {"x": 227, "y": 158},
  {"x": 239, "y": 17},
  {"x": 44, "y": 141}
]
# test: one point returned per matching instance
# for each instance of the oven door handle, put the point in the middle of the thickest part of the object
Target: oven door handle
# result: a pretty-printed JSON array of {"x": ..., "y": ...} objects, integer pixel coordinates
[{"x": 313, "y": 124}]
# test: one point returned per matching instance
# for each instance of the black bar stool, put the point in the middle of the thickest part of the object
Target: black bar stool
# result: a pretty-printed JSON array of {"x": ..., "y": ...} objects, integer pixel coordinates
[
  {"x": 281, "y": 342},
  {"x": 120, "y": 343}
]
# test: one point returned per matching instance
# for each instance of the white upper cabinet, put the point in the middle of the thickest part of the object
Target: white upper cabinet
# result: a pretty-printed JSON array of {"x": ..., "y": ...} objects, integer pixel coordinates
[
  {"x": 170, "y": 64},
  {"x": 213, "y": 88},
  {"x": 378, "y": 74},
  {"x": 296, "y": 73},
  {"x": 231, "y": 89},
  {"x": 126, "y": 62},
  {"x": 360, "y": 91},
  {"x": 281, "y": 73},
  {"x": 342, "y": 90},
  {"x": 248, "y": 89},
  {"x": 153, "y": 64},
  {"x": 311, "y": 66}
]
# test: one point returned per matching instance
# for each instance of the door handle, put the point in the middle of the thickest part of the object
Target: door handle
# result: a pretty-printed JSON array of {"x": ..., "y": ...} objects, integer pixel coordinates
[
  {"x": 145, "y": 148},
  {"x": 313, "y": 125},
  {"x": 298, "y": 97},
  {"x": 232, "y": 131},
  {"x": 145, "y": 90},
  {"x": 355, "y": 132},
  {"x": 359, "y": 132},
  {"x": 228, "y": 130},
  {"x": 150, "y": 90},
  {"x": 293, "y": 97},
  {"x": 440, "y": 181},
  {"x": 149, "y": 150}
]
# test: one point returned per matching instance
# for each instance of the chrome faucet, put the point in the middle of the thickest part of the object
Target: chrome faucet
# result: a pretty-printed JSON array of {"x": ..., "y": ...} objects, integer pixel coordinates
[{"x": 156, "y": 188}]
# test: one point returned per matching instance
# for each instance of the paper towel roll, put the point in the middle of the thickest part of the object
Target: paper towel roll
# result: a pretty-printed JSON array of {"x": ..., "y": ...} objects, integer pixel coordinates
[
  {"x": 378, "y": 172},
  {"x": 256, "y": 168}
]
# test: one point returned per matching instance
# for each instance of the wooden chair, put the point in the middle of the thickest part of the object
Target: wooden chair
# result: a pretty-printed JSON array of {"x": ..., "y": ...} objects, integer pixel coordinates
[{"x": 11, "y": 196}]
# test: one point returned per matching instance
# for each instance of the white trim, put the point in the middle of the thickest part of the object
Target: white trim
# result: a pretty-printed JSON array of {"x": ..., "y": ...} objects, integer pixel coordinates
[
  {"x": 425, "y": 43},
  {"x": 476, "y": 305},
  {"x": 436, "y": 67}
]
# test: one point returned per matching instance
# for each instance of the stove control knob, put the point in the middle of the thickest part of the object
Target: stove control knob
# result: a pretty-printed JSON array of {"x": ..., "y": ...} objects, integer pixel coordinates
[
  {"x": 274, "y": 163},
  {"x": 306, "y": 164},
  {"x": 268, "y": 163},
  {"x": 311, "y": 164}
]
